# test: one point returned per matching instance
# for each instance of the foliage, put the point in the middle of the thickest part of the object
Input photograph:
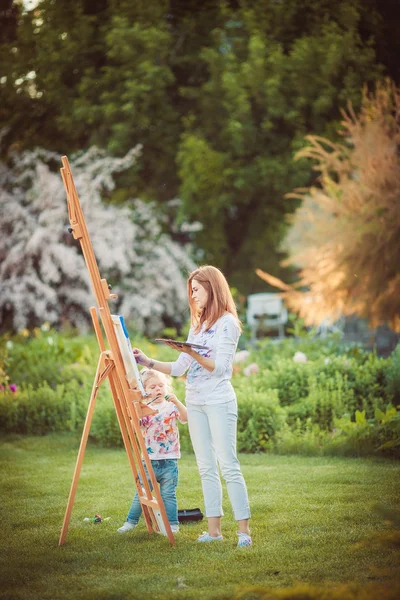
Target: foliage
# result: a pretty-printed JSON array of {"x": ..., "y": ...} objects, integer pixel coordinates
[
  {"x": 345, "y": 236},
  {"x": 259, "y": 418},
  {"x": 331, "y": 404},
  {"x": 313, "y": 346},
  {"x": 52, "y": 375},
  {"x": 105, "y": 428},
  {"x": 220, "y": 95},
  {"x": 347, "y": 437},
  {"x": 35, "y": 411},
  {"x": 48, "y": 356},
  {"x": 131, "y": 100},
  {"x": 382, "y": 432},
  {"x": 43, "y": 275},
  {"x": 393, "y": 376},
  {"x": 260, "y": 98}
]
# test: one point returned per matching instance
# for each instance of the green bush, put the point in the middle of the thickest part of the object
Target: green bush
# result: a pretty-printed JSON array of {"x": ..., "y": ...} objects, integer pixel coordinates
[
  {"x": 35, "y": 411},
  {"x": 366, "y": 436},
  {"x": 359, "y": 437},
  {"x": 290, "y": 379},
  {"x": 45, "y": 357},
  {"x": 105, "y": 428},
  {"x": 351, "y": 385},
  {"x": 260, "y": 417},
  {"x": 305, "y": 438},
  {"x": 367, "y": 382},
  {"x": 47, "y": 409},
  {"x": 392, "y": 376},
  {"x": 308, "y": 408},
  {"x": 326, "y": 400},
  {"x": 312, "y": 346}
]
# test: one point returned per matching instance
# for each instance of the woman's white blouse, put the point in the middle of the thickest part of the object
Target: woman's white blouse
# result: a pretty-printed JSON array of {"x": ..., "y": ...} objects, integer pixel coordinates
[{"x": 202, "y": 386}]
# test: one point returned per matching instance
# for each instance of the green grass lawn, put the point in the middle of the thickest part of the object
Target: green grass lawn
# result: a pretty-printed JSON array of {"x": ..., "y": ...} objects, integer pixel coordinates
[{"x": 307, "y": 515}]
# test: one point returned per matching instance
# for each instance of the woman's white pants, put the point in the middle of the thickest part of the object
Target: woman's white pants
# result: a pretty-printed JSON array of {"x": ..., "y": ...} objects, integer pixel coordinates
[{"x": 212, "y": 430}]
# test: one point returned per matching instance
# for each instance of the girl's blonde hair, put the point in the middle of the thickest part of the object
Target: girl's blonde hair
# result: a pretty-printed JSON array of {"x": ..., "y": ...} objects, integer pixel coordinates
[
  {"x": 219, "y": 301},
  {"x": 147, "y": 374}
]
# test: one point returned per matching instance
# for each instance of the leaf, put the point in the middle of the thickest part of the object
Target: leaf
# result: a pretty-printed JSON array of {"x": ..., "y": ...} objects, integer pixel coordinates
[
  {"x": 391, "y": 444},
  {"x": 360, "y": 418},
  {"x": 379, "y": 415}
]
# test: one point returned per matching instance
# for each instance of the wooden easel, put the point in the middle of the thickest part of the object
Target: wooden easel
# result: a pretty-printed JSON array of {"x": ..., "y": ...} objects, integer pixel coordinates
[{"x": 128, "y": 403}]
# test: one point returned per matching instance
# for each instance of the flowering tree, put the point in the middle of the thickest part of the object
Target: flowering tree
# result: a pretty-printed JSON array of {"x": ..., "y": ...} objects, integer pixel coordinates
[
  {"x": 43, "y": 276},
  {"x": 345, "y": 236}
]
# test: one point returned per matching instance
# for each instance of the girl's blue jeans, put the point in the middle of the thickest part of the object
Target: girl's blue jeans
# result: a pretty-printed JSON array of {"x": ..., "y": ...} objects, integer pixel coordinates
[{"x": 166, "y": 474}]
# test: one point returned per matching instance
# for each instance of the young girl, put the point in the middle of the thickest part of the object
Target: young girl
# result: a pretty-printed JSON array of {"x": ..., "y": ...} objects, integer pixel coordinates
[
  {"x": 162, "y": 440},
  {"x": 210, "y": 397}
]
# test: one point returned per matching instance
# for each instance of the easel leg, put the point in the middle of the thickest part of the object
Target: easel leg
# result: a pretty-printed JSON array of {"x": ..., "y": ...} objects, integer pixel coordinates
[{"x": 88, "y": 421}]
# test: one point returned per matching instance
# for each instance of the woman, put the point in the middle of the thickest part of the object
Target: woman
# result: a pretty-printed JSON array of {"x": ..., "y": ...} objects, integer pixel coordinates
[{"x": 210, "y": 397}]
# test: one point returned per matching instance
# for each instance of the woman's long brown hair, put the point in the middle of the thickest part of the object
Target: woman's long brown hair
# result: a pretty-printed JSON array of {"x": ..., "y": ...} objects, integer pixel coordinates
[{"x": 219, "y": 299}]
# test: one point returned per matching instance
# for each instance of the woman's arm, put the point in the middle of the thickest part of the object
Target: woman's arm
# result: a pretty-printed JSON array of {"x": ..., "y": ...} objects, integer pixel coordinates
[
  {"x": 226, "y": 346},
  {"x": 224, "y": 352},
  {"x": 176, "y": 368},
  {"x": 207, "y": 363},
  {"x": 158, "y": 365}
]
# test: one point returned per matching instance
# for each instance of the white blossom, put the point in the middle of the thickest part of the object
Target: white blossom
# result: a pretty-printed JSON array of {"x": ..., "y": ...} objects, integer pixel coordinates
[
  {"x": 300, "y": 357},
  {"x": 43, "y": 276}
]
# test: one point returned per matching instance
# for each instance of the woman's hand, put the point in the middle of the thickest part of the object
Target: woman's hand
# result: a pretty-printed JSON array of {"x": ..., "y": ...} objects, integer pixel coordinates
[
  {"x": 140, "y": 357},
  {"x": 180, "y": 348}
]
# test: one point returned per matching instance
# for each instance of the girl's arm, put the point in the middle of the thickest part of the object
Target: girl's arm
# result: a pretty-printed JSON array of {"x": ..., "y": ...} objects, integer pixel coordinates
[{"x": 182, "y": 410}]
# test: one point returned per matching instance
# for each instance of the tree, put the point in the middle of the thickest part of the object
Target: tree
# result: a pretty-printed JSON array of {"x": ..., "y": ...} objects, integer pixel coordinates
[
  {"x": 43, "y": 276},
  {"x": 345, "y": 236},
  {"x": 41, "y": 65},
  {"x": 266, "y": 89},
  {"x": 220, "y": 95},
  {"x": 131, "y": 102}
]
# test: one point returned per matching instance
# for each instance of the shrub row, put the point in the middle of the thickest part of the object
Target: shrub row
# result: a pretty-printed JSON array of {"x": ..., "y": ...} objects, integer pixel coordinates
[{"x": 335, "y": 404}]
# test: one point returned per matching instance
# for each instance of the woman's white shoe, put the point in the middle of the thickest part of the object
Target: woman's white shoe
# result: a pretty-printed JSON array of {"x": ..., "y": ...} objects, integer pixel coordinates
[{"x": 206, "y": 537}]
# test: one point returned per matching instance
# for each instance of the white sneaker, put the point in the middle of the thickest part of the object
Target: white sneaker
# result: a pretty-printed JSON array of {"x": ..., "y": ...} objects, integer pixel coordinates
[
  {"x": 174, "y": 528},
  {"x": 206, "y": 537},
  {"x": 126, "y": 527},
  {"x": 244, "y": 540}
]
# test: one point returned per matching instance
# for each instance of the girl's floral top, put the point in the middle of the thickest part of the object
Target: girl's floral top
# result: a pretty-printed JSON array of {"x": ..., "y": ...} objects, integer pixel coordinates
[
  {"x": 161, "y": 432},
  {"x": 202, "y": 386}
]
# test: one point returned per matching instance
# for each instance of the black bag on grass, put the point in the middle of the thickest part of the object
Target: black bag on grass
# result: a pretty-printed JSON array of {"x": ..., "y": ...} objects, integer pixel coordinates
[{"x": 191, "y": 514}]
